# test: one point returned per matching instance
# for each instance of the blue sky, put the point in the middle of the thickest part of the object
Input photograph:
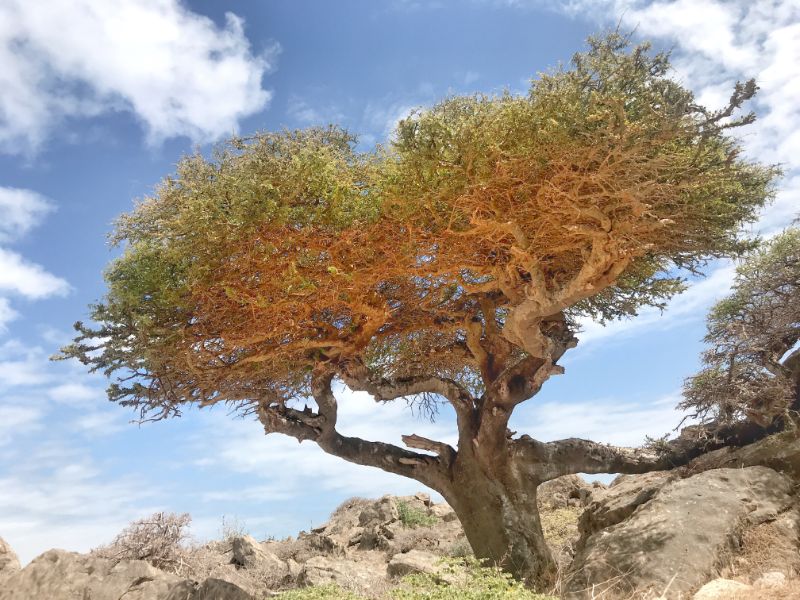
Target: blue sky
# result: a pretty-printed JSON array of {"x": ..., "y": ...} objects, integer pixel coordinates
[{"x": 99, "y": 99}]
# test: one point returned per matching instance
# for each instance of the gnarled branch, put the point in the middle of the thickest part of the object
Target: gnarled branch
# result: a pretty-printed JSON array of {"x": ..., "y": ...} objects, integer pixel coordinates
[{"x": 320, "y": 427}]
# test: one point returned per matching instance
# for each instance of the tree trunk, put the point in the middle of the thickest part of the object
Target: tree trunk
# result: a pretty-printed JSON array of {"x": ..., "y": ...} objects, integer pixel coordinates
[{"x": 501, "y": 520}]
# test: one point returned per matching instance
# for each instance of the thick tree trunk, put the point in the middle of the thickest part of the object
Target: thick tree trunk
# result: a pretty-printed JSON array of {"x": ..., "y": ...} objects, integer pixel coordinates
[{"x": 501, "y": 520}]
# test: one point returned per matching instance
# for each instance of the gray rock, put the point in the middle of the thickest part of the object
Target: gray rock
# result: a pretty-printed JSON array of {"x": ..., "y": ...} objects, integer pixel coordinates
[
  {"x": 247, "y": 552},
  {"x": 210, "y": 589},
  {"x": 217, "y": 589},
  {"x": 9, "y": 563},
  {"x": 413, "y": 561},
  {"x": 444, "y": 512},
  {"x": 61, "y": 575},
  {"x": 770, "y": 580},
  {"x": 681, "y": 536},
  {"x": 379, "y": 513},
  {"x": 569, "y": 490},
  {"x": 722, "y": 589},
  {"x": 618, "y": 502},
  {"x": 321, "y": 570}
]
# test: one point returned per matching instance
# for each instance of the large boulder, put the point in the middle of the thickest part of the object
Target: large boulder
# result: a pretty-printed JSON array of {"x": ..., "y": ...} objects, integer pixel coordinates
[
  {"x": 413, "y": 561},
  {"x": 9, "y": 563},
  {"x": 61, "y": 575},
  {"x": 247, "y": 552},
  {"x": 681, "y": 537},
  {"x": 616, "y": 503},
  {"x": 322, "y": 570},
  {"x": 210, "y": 589},
  {"x": 568, "y": 490},
  {"x": 723, "y": 589}
]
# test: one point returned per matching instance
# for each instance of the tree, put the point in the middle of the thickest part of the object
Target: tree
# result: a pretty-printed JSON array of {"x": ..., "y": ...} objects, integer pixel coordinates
[
  {"x": 752, "y": 368},
  {"x": 452, "y": 265}
]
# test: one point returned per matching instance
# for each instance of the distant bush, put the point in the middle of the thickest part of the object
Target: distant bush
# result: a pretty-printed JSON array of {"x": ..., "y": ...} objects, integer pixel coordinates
[
  {"x": 157, "y": 539},
  {"x": 232, "y": 528},
  {"x": 414, "y": 517}
]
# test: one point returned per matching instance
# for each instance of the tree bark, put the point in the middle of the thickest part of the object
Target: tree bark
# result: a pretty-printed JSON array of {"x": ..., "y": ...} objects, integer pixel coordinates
[{"x": 500, "y": 517}]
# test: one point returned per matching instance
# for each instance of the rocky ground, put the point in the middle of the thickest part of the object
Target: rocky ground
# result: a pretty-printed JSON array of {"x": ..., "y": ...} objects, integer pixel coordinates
[{"x": 723, "y": 533}]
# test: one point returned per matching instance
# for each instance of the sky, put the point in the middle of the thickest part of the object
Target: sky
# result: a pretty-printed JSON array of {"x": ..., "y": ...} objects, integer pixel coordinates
[{"x": 98, "y": 101}]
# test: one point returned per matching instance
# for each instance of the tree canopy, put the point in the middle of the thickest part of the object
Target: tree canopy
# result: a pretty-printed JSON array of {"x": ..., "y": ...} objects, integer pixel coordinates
[
  {"x": 485, "y": 227},
  {"x": 751, "y": 369},
  {"x": 450, "y": 264}
]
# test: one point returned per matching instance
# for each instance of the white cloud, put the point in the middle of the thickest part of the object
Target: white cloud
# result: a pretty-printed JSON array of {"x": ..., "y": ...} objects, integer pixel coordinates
[
  {"x": 22, "y": 365},
  {"x": 57, "y": 497},
  {"x": 694, "y": 303},
  {"x": 177, "y": 71},
  {"x": 19, "y": 276},
  {"x": 20, "y": 211},
  {"x": 7, "y": 314},
  {"x": 16, "y": 419}
]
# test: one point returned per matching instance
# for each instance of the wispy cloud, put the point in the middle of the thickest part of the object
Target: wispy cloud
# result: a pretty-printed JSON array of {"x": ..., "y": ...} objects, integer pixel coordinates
[
  {"x": 176, "y": 71},
  {"x": 692, "y": 305},
  {"x": 20, "y": 211}
]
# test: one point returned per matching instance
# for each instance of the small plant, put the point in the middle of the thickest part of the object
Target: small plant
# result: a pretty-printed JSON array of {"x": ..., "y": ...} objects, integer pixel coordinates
[
  {"x": 322, "y": 592},
  {"x": 414, "y": 517},
  {"x": 464, "y": 579}
]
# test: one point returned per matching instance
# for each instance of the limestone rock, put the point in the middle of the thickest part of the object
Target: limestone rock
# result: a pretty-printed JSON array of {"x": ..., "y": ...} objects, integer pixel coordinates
[
  {"x": 443, "y": 512},
  {"x": 9, "y": 563},
  {"x": 61, "y": 575},
  {"x": 680, "y": 536},
  {"x": 210, "y": 589},
  {"x": 617, "y": 502},
  {"x": 247, "y": 552},
  {"x": 770, "y": 580},
  {"x": 721, "y": 589},
  {"x": 379, "y": 513},
  {"x": 564, "y": 491},
  {"x": 322, "y": 570},
  {"x": 413, "y": 561}
]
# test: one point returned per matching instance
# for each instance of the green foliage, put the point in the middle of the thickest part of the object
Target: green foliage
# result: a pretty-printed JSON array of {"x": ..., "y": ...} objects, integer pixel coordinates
[
  {"x": 285, "y": 250},
  {"x": 746, "y": 371},
  {"x": 560, "y": 525},
  {"x": 464, "y": 579},
  {"x": 322, "y": 592},
  {"x": 411, "y": 516}
]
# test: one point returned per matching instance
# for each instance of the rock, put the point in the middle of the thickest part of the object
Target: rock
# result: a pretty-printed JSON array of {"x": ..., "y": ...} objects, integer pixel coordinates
[
  {"x": 247, "y": 552},
  {"x": 295, "y": 569},
  {"x": 210, "y": 589},
  {"x": 617, "y": 502},
  {"x": 379, "y": 513},
  {"x": 9, "y": 563},
  {"x": 424, "y": 498},
  {"x": 321, "y": 570},
  {"x": 413, "y": 561},
  {"x": 770, "y": 580},
  {"x": 183, "y": 590},
  {"x": 558, "y": 492},
  {"x": 680, "y": 536},
  {"x": 217, "y": 589},
  {"x": 61, "y": 575},
  {"x": 721, "y": 589},
  {"x": 443, "y": 512}
]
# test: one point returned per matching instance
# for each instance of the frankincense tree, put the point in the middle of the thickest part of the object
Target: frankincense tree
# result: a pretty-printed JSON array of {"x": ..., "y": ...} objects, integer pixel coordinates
[{"x": 453, "y": 264}]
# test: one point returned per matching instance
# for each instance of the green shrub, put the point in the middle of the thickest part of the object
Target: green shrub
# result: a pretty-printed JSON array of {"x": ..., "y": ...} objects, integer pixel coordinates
[
  {"x": 414, "y": 517},
  {"x": 322, "y": 592},
  {"x": 464, "y": 579}
]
